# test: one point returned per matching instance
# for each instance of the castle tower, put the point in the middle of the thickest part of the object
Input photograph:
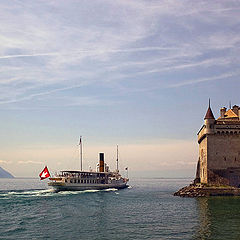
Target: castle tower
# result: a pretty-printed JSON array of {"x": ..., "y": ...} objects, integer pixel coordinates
[
  {"x": 209, "y": 121},
  {"x": 219, "y": 148}
]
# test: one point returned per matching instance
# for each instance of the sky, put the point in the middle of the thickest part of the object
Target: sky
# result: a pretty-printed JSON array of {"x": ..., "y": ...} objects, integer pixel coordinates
[{"x": 134, "y": 73}]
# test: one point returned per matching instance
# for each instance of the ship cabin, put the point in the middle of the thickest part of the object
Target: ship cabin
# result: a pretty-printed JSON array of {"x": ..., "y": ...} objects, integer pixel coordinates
[{"x": 84, "y": 177}]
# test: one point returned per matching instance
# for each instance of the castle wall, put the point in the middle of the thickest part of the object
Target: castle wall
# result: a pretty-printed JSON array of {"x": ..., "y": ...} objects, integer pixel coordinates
[
  {"x": 203, "y": 160},
  {"x": 223, "y": 151}
]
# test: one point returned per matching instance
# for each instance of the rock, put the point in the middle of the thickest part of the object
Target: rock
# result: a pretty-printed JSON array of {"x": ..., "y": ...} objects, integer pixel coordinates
[{"x": 204, "y": 191}]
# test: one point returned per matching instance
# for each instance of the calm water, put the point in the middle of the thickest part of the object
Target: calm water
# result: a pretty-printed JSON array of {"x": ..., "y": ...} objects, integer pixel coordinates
[{"x": 146, "y": 210}]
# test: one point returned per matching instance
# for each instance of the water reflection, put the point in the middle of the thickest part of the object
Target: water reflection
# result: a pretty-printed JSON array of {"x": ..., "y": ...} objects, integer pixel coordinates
[
  {"x": 204, "y": 231},
  {"x": 219, "y": 218}
]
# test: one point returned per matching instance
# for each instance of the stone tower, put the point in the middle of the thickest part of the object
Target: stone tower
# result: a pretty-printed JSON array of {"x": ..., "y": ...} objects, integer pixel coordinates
[{"x": 219, "y": 148}]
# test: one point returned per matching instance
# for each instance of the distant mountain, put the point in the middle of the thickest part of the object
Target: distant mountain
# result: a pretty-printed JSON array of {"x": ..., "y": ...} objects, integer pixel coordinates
[{"x": 5, "y": 174}]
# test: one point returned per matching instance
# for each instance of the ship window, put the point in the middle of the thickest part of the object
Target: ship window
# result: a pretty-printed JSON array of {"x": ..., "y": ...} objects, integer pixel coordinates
[
  {"x": 65, "y": 180},
  {"x": 78, "y": 181},
  {"x": 75, "y": 180},
  {"x": 71, "y": 181}
]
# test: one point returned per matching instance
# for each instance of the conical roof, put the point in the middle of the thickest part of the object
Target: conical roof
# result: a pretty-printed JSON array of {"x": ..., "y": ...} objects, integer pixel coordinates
[{"x": 209, "y": 114}]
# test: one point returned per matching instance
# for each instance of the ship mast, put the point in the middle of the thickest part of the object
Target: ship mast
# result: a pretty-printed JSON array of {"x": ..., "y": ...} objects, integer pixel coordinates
[
  {"x": 80, "y": 152},
  {"x": 117, "y": 158}
]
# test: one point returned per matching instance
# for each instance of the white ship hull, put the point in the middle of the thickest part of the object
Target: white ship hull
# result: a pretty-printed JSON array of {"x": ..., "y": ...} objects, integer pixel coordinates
[{"x": 61, "y": 186}]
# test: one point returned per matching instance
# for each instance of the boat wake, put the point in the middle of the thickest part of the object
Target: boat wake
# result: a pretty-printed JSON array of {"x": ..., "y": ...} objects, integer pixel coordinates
[
  {"x": 46, "y": 193},
  {"x": 87, "y": 191},
  {"x": 26, "y": 193}
]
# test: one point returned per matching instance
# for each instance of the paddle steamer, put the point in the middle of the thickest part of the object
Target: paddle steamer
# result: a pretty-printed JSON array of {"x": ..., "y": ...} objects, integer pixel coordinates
[{"x": 102, "y": 178}]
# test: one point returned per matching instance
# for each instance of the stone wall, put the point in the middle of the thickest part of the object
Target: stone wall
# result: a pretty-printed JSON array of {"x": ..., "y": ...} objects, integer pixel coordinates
[
  {"x": 203, "y": 160},
  {"x": 223, "y": 151},
  {"x": 217, "y": 178},
  {"x": 219, "y": 159}
]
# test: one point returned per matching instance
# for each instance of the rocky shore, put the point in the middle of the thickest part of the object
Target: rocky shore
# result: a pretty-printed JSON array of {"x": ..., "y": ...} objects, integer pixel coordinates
[{"x": 205, "y": 191}]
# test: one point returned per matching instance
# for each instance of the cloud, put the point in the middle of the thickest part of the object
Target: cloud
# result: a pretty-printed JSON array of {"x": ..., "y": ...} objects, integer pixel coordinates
[
  {"x": 29, "y": 162},
  {"x": 27, "y": 55},
  {"x": 184, "y": 163},
  {"x": 135, "y": 42},
  {"x": 207, "y": 79},
  {"x": 93, "y": 51},
  {"x": 5, "y": 162},
  {"x": 49, "y": 92}
]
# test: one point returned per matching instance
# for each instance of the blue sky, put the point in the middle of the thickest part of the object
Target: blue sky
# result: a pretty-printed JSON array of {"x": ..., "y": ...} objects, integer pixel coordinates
[{"x": 133, "y": 73}]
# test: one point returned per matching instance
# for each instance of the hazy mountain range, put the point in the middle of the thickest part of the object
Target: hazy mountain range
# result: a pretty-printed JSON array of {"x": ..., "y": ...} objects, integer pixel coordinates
[{"x": 5, "y": 174}]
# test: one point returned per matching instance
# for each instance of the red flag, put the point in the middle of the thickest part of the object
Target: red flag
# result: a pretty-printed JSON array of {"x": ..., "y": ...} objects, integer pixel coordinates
[{"x": 44, "y": 174}]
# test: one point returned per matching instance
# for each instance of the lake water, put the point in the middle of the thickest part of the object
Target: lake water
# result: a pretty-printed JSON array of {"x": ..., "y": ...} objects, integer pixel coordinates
[{"x": 145, "y": 210}]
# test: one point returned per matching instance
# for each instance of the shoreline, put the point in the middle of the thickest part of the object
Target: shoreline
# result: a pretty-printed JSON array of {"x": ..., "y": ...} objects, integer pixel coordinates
[{"x": 207, "y": 191}]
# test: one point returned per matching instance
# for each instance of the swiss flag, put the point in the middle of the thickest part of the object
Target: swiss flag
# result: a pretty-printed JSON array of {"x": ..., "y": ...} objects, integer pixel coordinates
[{"x": 44, "y": 174}]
